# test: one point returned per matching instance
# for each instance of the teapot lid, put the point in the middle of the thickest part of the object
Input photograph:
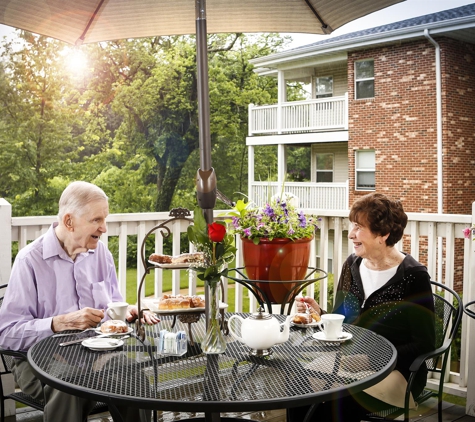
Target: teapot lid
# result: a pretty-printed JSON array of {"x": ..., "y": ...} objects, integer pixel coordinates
[{"x": 261, "y": 314}]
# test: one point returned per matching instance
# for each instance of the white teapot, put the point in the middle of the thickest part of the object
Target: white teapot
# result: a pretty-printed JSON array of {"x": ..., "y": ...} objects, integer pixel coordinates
[{"x": 260, "y": 331}]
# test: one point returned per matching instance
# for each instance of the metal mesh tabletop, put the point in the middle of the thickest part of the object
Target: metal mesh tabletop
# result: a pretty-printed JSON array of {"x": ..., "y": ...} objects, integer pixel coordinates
[{"x": 298, "y": 372}]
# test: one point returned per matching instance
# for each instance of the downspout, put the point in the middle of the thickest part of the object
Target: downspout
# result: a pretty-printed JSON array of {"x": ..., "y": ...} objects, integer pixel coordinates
[
  {"x": 438, "y": 80},
  {"x": 440, "y": 184}
]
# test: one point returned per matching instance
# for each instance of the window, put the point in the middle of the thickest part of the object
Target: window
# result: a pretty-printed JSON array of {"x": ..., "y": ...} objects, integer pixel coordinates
[
  {"x": 365, "y": 170},
  {"x": 364, "y": 79},
  {"x": 324, "y": 87},
  {"x": 324, "y": 168}
]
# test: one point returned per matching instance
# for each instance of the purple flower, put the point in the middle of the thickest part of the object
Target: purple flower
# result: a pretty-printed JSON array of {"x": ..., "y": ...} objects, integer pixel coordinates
[
  {"x": 235, "y": 222},
  {"x": 302, "y": 219},
  {"x": 247, "y": 232},
  {"x": 269, "y": 211},
  {"x": 291, "y": 231}
]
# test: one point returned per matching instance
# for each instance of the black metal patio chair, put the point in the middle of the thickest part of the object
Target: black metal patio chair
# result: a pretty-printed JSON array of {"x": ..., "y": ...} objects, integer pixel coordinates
[
  {"x": 469, "y": 309},
  {"x": 447, "y": 320},
  {"x": 7, "y": 359}
]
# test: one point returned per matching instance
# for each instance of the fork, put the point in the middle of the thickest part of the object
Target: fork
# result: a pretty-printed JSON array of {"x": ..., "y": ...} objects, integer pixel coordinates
[{"x": 73, "y": 334}]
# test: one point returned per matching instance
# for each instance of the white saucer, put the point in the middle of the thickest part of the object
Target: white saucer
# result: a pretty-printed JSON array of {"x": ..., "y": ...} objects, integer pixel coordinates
[
  {"x": 310, "y": 325},
  {"x": 129, "y": 330},
  {"x": 102, "y": 344},
  {"x": 320, "y": 336}
]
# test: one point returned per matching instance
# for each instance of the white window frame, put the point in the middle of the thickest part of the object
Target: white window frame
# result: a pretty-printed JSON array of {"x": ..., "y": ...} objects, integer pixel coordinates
[
  {"x": 365, "y": 169},
  {"x": 332, "y": 171},
  {"x": 363, "y": 80}
]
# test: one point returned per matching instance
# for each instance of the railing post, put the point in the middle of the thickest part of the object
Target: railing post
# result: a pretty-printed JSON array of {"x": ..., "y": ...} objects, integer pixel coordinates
[
  {"x": 250, "y": 126},
  {"x": 5, "y": 240},
  {"x": 469, "y": 294},
  {"x": 5, "y": 269}
]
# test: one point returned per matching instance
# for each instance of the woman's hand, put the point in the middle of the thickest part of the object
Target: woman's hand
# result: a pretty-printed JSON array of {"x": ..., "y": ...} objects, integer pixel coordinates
[
  {"x": 148, "y": 317},
  {"x": 302, "y": 308}
]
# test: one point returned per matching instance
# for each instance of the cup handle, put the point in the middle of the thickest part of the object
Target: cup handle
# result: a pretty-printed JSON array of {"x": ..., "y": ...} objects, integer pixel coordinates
[{"x": 111, "y": 313}]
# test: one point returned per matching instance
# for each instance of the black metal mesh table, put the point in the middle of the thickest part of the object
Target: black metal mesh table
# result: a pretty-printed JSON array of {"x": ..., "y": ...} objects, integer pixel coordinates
[{"x": 299, "y": 372}]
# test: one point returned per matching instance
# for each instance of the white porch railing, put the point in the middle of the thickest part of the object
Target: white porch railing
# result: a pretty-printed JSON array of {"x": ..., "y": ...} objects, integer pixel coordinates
[
  {"x": 328, "y": 196},
  {"x": 433, "y": 238},
  {"x": 299, "y": 116}
]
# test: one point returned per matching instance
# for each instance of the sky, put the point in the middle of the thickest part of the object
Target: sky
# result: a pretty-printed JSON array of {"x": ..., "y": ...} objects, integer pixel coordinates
[{"x": 405, "y": 10}]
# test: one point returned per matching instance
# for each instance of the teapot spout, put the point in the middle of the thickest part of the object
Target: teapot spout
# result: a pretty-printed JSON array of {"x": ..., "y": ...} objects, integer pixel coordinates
[{"x": 284, "y": 334}]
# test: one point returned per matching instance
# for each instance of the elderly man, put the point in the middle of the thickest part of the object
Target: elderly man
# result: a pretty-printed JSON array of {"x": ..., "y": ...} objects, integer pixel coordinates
[{"x": 62, "y": 281}]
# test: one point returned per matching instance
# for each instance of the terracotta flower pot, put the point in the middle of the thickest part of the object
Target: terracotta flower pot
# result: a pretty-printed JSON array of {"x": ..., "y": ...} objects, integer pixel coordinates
[{"x": 276, "y": 260}]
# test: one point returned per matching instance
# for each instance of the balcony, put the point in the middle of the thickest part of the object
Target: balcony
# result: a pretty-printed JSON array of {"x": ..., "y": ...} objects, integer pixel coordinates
[
  {"x": 326, "y": 196},
  {"x": 434, "y": 238},
  {"x": 324, "y": 114}
]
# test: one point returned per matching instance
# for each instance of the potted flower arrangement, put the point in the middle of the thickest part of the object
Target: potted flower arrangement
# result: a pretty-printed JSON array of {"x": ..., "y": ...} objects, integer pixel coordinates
[
  {"x": 276, "y": 242},
  {"x": 217, "y": 246}
]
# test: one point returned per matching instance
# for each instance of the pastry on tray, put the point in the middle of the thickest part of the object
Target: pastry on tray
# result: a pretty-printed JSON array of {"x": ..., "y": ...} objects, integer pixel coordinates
[
  {"x": 170, "y": 302},
  {"x": 184, "y": 258}
]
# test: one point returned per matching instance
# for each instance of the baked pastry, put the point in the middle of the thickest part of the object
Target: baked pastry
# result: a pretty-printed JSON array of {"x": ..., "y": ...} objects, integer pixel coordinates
[
  {"x": 170, "y": 302},
  {"x": 114, "y": 326},
  {"x": 197, "y": 302},
  {"x": 160, "y": 259},
  {"x": 302, "y": 319},
  {"x": 189, "y": 258},
  {"x": 315, "y": 316}
]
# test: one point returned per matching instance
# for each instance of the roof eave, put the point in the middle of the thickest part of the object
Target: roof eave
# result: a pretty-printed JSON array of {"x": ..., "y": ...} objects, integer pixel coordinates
[{"x": 413, "y": 32}]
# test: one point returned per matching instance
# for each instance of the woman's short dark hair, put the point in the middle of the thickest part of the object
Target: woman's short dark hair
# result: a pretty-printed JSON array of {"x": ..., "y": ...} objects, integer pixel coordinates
[{"x": 381, "y": 215}]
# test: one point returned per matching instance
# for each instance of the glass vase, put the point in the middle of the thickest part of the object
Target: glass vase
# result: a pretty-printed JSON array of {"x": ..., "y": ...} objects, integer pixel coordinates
[{"x": 213, "y": 342}]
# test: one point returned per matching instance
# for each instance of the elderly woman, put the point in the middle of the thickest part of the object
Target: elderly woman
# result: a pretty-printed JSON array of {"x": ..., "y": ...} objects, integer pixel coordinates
[
  {"x": 386, "y": 291},
  {"x": 63, "y": 281}
]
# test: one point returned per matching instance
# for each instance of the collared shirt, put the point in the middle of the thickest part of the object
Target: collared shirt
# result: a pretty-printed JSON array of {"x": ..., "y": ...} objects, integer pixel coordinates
[{"x": 46, "y": 282}]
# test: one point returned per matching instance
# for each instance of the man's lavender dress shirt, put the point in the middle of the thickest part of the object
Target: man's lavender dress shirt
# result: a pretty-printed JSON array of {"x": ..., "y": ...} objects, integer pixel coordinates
[{"x": 46, "y": 282}]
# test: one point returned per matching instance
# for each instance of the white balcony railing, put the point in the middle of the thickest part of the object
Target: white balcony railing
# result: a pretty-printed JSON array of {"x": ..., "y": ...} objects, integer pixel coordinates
[
  {"x": 299, "y": 116},
  {"x": 327, "y": 196},
  {"x": 435, "y": 239}
]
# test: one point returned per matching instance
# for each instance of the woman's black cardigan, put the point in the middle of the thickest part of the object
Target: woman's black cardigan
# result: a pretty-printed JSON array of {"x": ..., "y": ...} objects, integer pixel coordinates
[{"x": 402, "y": 311}]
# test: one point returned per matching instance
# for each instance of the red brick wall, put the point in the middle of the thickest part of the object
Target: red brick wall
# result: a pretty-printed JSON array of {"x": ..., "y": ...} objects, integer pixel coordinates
[
  {"x": 399, "y": 123},
  {"x": 458, "y": 108}
]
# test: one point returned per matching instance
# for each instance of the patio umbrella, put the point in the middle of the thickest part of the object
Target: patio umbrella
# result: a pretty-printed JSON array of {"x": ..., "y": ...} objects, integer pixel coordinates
[{"x": 89, "y": 21}]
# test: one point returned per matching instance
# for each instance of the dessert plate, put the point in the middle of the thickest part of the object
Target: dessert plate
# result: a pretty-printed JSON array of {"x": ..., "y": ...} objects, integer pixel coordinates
[
  {"x": 310, "y": 325},
  {"x": 102, "y": 344},
  {"x": 170, "y": 266},
  {"x": 320, "y": 336},
  {"x": 129, "y": 330}
]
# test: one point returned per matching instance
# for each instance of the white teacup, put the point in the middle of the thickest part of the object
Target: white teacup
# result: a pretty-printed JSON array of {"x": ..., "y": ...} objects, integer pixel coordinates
[
  {"x": 332, "y": 325},
  {"x": 117, "y": 310}
]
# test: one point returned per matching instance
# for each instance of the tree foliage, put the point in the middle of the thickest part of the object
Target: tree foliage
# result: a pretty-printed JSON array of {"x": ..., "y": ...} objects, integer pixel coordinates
[{"x": 128, "y": 123}]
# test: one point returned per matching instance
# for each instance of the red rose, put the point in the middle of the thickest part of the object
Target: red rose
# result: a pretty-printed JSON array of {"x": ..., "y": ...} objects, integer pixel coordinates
[{"x": 216, "y": 232}]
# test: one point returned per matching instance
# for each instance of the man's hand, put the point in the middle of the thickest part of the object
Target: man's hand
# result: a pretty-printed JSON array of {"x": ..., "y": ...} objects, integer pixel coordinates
[
  {"x": 148, "y": 317},
  {"x": 78, "y": 320}
]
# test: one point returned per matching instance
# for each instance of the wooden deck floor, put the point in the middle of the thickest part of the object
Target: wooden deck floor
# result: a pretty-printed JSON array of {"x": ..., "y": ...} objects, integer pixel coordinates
[{"x": 426, "y": 413}]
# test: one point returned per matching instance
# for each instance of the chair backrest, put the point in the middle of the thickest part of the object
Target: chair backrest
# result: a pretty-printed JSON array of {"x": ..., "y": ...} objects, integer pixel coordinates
[
  {"x": 469, "y": 309},
  {"x": 448, "y": 314}
]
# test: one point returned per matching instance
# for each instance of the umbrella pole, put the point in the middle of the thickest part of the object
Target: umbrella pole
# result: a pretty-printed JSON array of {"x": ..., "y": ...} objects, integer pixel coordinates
[{"x": 205, "y": 178}]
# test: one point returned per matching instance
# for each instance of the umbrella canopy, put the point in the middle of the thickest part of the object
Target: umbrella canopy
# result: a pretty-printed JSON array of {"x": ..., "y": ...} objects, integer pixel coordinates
[
  {"x": 77, "y": 21},
  {"x": 87, "y": 21}
]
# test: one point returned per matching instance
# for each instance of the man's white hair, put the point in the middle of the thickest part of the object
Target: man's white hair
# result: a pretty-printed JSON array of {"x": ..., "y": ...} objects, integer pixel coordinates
[{"x": 77, "y": 196}]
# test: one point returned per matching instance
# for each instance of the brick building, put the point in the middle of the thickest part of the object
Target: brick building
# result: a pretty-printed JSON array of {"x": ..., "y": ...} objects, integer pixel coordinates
[{"x": 390, "y": 109}]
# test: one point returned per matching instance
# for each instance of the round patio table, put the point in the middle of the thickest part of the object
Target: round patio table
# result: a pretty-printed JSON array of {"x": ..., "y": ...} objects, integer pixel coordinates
[{"x": 299, "y": 372}]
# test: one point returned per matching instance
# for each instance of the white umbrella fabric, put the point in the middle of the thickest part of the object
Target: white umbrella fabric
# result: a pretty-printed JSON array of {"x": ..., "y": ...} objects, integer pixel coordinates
[{"x": 88, "y": 21}]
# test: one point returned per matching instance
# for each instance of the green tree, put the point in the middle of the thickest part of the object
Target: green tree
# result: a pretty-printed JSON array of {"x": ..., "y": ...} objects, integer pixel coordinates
[{"x": 39, "y": 111}]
